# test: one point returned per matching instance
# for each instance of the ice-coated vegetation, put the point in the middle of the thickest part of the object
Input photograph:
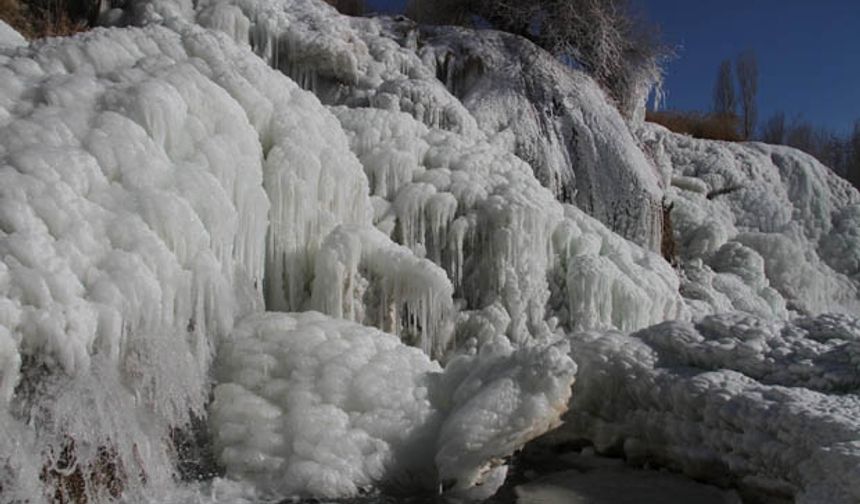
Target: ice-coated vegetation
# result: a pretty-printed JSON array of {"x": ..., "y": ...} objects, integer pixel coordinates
[{"x": 341, "y": 255}]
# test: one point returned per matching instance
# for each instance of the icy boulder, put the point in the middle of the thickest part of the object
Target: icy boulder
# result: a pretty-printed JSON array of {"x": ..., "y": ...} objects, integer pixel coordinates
[
  {"x": 759, "y": 228},
  {"x": 770, "y": 407},
  {"x": 310, "y": 405}
]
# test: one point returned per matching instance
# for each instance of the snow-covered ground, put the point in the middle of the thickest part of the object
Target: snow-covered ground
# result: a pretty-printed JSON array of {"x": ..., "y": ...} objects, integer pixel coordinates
[{"x": 372, "y": 254}]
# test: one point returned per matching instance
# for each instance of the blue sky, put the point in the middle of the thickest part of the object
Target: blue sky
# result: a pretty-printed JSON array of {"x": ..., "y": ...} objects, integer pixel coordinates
[{"x": 808, "y": 52}]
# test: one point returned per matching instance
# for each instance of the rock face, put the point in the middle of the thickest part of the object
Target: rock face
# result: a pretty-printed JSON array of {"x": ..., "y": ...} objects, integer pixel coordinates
[{"x": 444, "y": 213}]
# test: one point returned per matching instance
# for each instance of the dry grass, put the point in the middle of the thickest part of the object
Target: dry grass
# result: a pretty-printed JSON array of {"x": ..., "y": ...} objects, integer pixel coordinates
[
  {"x": 47, "y": 18},
  {"x": 708, "y": 126},
  {"x": 13, "y": 13}
]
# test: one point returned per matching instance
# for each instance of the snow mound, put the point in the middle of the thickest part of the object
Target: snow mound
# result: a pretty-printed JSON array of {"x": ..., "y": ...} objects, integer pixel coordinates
[
  {"x": 311, "y": 405},
  {"x": 760, "y": 228},
  {"x": 771, "y": 407}
]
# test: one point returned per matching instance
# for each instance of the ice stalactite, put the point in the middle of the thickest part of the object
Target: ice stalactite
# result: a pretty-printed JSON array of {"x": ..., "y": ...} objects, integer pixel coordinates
[
  {"x": 556, "y": 120},
  {"x": 361, "y": 275},
  {"x": 477, "y": 212},
  {"x": 315, "y": 183}
]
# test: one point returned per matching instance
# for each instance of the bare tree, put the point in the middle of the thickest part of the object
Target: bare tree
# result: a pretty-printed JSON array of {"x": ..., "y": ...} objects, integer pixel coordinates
[
  {"x": 746, "y": 68},
  {"x": 724, "y": 91},
  {"x": 773, "y": 131},
  {"x": 801, "y": 135},
  {"x": 604, "y": 37},
  {"x": 854, "y": 156}
]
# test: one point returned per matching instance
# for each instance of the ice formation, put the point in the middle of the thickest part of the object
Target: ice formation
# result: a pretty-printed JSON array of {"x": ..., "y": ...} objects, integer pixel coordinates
[
  {"x": 475, "y": 83},
  {"x": 311, "y": 405},
  {"x": 769, "y": 406},
  {"x": 441, "y": 211},
  {"x": 760, "y": 228},
  {"x": 133, "y": 228}
]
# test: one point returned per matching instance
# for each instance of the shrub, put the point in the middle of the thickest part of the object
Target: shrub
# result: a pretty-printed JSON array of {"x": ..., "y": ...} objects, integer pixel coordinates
[
  {"x": 49, "y": 18},
  {"x": 698, "y": 125}
]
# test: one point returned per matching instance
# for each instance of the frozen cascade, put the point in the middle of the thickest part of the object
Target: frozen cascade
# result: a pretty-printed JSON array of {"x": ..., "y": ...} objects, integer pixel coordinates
[
  {"x": 133, "y": 227},
  {"x": 136, "y": 230},
  {"x": 464, "y": 81}
]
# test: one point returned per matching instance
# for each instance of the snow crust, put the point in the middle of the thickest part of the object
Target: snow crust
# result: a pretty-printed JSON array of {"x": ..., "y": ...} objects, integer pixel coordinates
[{"x": 771, "y": 406}]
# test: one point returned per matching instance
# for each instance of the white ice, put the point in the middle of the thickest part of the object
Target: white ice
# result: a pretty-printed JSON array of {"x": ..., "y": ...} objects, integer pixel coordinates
[
  {"x": 761, "y": 229},
  {"x": 771, "y": 407},
  {"x": 311, "y": 405}
]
